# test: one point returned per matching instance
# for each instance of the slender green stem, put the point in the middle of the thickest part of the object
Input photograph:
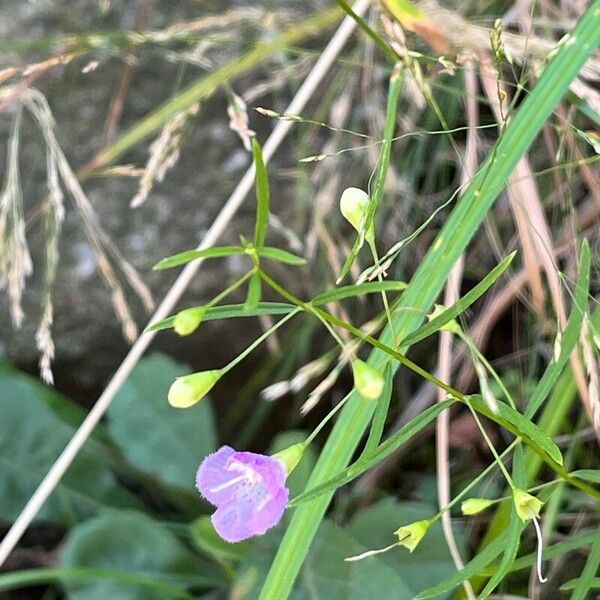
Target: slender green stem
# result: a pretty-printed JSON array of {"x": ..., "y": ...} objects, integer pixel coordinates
[
  {"x": 234, "y": 286},
  {"x": 258, "y": 341}
]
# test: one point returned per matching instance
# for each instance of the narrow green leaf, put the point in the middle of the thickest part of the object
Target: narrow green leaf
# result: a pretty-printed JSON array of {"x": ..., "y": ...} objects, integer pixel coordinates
[
  {"x": 592, "y": 475},
  {"x": 594, "y": 584},
  {"x": 382, "y": 451},
  {"x": 382, "y": 169},
  {"x": 573, "y": 542},
  {"x": 254, "y": 292},
  {"x": 520, "y": 426},
  {"x": 230, "y": 311},
  {"x": 281, "y": 256},
  {"x": 461, "y": 305},
  {"x": 189, "y": 255},
  {"x": 349, "y": 291},
  {"x": 586, "y": 580},
  {"x": 262, "y": 196},
  {"x": 569, "y": 337},
  {"x": 380, "y": 415},
  {"x": 472, "y": 568}
]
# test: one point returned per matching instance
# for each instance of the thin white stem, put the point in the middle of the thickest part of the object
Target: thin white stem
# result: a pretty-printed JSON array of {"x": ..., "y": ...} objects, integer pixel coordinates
[
  {"x": 219, "y": 225},
  {"x": 371, "y": 553},
  {"x": 540, "y": 550}
]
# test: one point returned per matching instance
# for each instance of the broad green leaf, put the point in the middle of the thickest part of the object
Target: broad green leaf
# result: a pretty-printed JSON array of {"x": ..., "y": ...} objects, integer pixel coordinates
[
  {"x": 472, "y": 568},
  {"x": 262, "y": 196},
  {"x": 189, "y": 255},
  {"x": 130, "y": 541},
  {"x": 382, "y": 451},
  {"x": 31, "y": 438},
  {"x": 350, "y": 291},
  {"x": 276, "y": 254},
  {"x": 461, "y": 305},
  {"x": 569, "y": 337},
  {"x": 230, "y": 311},
  {"x": 152, "y": 435},
  {"x": 27, "y": 578},
  {"x": 520, "y": 426},
  {"x": 592, "y": 475},
  {"x": 205, "y": 537}
]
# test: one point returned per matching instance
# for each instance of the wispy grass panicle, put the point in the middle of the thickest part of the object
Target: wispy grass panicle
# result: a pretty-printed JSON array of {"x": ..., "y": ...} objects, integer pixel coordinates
[{"x": 15, "y": 260}]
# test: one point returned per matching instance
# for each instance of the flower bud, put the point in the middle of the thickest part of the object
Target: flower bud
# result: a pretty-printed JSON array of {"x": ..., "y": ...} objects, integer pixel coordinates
[
  {"x": 186, "y": 391},
  {"x": 368, "y": 381},
  {"x": 188, "y": 320},
  {"x": 526, "y": 505},
  {"x": 409, "y": 536},
  {"x": 353, "y": 205},
  {"x": 473, "y": 506},
  {"x": 291, "y": 456}
]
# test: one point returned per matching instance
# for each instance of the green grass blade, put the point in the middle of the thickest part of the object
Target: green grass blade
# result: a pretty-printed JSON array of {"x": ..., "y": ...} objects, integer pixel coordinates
[
  {"x": 584, "y": 583},
  {"x": 262, "y": 196},
  {"x": 382, "y": 451},
  {"x": 428, "y": 281},
  {"x": 569, "y": 338},
  {"x": 30, "y": 577},
  {"x": 461, "y": 305},
  {"x": 472, "y": 568}
]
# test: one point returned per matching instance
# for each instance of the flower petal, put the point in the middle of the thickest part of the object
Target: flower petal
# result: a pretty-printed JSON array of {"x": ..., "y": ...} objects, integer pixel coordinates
[
  {"x": 269, "y": 515},
  {"x": 232, "y": 522},
  {"x": 212, "y": 477}
]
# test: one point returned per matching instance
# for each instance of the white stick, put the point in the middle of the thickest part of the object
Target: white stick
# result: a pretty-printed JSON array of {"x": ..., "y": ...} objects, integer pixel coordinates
[{"x": 67, "y": 456}]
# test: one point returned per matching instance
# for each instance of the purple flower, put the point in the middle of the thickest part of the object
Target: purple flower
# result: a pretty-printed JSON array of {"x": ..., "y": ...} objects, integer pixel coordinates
[{"x": 248, "y": 490}]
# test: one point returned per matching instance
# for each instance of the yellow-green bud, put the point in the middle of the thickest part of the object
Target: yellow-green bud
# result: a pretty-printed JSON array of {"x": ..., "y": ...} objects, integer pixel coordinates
[
  {"x": 188, "y": 320},
  {"x": 474, "y": 506},
  {"x": 409, "y": 536},
  {"x": 527, "y": 506},
  {"x": 368, "y": 381},
  {"x": 353, "y": 205},
  {"x": 291, "y": 456},
  {"x": 186, "y": 391}
]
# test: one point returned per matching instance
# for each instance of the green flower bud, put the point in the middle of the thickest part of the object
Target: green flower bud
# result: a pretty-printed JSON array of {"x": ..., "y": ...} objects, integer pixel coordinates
[
  {"x": 368, "y": 381},
  {"x": 527, "y": 506},
  {"x": 186, "y": 391},
  {"x": 291, "y": 456},
  {"x": 188, "y": 320},
  {"x": 353, "y": 205},
  {"x": 409, "y": 536},
  {"x": 473, "y": 506}
]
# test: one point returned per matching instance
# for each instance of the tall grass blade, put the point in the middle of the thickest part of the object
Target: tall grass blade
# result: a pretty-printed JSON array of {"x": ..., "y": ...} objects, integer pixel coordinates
[{"x": 429, "y": 279}]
